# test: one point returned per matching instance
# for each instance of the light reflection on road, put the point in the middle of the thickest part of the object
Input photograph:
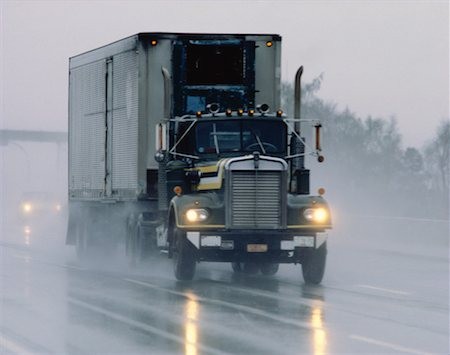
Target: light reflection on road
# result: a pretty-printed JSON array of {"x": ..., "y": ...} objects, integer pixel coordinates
[
  {"x": 27, "y": 233},
  {"x": 319, "y": 332},
  {"x": 191, "y": 311}
]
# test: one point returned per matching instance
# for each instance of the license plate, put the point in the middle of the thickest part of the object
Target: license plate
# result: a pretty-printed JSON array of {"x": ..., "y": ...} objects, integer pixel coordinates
[{"x": 256, "y": 248}]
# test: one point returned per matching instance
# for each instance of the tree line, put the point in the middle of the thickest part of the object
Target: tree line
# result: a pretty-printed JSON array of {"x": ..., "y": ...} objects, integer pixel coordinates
[{"x": 368, "y": 169}]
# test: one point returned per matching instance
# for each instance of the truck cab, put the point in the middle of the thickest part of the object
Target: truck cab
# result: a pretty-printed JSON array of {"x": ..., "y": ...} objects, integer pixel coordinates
[{"x": 233, "y": 198}]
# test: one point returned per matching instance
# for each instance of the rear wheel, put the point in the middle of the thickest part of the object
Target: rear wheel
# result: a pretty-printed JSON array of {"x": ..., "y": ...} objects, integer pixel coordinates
[
  {"x": 81, "y": 245},
  {"x": 184, "y": 258},
  {"x": 269, "y": 269},
  {"x": 131, "y": 243},
  {"x": 313, "y": 265},
  {"x": 246, "y": 268},
  {"x": 236, "y": 266}
]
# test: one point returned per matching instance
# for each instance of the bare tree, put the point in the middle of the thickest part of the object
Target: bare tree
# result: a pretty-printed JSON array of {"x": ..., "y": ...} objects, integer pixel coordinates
[{"x": 437, "y": 163}]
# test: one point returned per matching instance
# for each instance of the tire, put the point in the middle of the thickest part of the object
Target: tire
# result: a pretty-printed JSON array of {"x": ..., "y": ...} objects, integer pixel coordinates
[
  {"x": 236, "y": 266},
  {"x": 269, "y": 269},
  {"x": 81, "y": 243},
  {"x": 313, "y": 265},
  {"x": 131, "y": 243},
  {"x": 184, "y": 258},
  {"x": 250, "y": 268}
]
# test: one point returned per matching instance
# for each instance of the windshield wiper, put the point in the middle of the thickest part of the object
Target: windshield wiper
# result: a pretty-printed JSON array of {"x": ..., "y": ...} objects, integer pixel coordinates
[
  {"x": 259, "y": 142},
  {"x": 216, "y": 141}
]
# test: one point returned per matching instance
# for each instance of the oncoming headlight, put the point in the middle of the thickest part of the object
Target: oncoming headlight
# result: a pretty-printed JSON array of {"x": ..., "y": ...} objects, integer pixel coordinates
[
  {"x": 316, "y": 215},
  {"x": 197, "y": 215},
  {"x": 27, "y": 207}
]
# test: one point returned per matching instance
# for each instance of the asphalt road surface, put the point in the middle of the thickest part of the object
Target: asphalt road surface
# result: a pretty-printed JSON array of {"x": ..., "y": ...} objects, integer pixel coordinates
[{"x": 385, "y": 292}]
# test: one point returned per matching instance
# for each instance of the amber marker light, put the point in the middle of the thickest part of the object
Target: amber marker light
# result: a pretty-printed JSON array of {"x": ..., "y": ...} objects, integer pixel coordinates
[
  {"x": 153, "y": 42},
  {"x": 178, "y": 190},
  {"x": 240, "y": 112},
  {"x": 228, "y": 112},
  {"x": 198, "y": 114},
  {"x": 321, "y": 191},
  {"x": 279, "y": 113},
  {"x": 251, "y": 112},
  {"x": 269, "y": 44}
]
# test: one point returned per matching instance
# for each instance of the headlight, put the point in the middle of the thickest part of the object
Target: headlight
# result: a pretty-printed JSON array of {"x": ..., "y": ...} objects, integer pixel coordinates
[
  {"x": 316, "y": 215},
  {"x": 197, "y": 215},
  {"x": 27, "y": 207}
]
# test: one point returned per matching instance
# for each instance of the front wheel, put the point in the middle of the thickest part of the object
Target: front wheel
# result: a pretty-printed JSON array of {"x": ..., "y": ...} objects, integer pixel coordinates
[
  {"x": 184, "y": 258},
  {"x": 313, "y": 265}
]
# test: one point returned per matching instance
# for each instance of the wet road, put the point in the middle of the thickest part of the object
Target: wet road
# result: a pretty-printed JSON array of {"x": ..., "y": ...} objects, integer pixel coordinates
[{"x": 384, "y": 295}]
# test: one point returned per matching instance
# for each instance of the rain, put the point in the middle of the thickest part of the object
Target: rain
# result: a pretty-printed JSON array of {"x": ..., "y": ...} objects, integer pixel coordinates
[{"x": 375, "y": 78}]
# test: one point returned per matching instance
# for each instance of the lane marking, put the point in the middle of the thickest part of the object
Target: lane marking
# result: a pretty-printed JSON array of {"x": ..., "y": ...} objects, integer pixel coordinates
[
  {"x": 238, "y": 307},
  {"x": 388, "y": 345},
  {"x": 395, "y": 292},
  {"x": 137, "y": 324},
  {"x": 13, "y": 347}
]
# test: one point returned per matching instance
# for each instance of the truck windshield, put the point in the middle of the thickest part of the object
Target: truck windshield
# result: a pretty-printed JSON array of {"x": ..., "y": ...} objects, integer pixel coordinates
[{"x": 239, "y": 136}]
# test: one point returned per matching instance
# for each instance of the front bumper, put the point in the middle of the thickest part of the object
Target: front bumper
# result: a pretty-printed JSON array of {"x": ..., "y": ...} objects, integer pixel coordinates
[{"x": 280, "y": 246}]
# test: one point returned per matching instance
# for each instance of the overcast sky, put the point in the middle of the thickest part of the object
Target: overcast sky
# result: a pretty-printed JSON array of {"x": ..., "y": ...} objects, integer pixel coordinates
[{"x": 382, "y": 58}]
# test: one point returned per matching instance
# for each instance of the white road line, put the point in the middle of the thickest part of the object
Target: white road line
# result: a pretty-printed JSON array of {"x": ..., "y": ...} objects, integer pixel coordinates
[
  {"x": 137, "y": 324},
  {"x": 395, "y": 292},
  {"x": 238, "y": 307},
  {"x": 388, "y": 345},
  {"x": 12, "y": 347}
]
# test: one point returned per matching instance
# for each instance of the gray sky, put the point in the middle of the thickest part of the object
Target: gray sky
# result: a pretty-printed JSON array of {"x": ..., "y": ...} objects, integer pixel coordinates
[{"x": 383, "y": 58}]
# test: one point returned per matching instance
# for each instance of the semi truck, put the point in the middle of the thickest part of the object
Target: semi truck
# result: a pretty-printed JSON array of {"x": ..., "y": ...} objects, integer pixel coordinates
[{"x": 178, "y": 145}]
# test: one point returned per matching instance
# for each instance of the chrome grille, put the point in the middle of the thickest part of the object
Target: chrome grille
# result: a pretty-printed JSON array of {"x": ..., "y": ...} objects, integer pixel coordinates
[{"x": 256, "y": 199}]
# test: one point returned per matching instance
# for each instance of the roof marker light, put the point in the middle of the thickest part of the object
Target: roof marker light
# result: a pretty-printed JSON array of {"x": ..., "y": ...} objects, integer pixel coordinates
[
  {"x": 198, "y": 114},
  {"x": 279, "y": 113},
  {"x": 153, "y": 42},
  {"x": 228, "y": 112},
  {"x": 251, "y": 112},
  {"x": 240, "y": 112},
  {"x": 269, "y": 44}
]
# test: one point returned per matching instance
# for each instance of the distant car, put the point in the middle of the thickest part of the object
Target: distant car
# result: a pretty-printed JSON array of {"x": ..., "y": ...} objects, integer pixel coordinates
[{"x": 39, "y": 210}]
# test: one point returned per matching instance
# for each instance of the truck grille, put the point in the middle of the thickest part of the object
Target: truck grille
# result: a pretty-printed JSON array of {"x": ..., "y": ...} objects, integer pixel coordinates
[{"x": 256, "y": 199}]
